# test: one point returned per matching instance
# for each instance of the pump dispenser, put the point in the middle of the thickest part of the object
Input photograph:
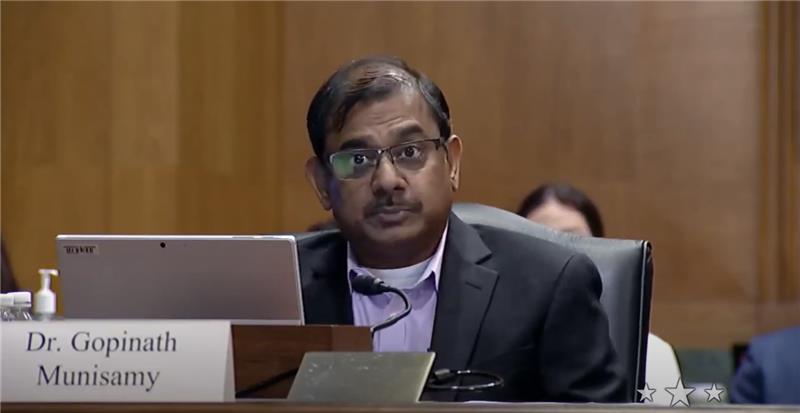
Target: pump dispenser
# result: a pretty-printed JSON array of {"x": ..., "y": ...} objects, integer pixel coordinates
[{"x": 45, "y": 298}]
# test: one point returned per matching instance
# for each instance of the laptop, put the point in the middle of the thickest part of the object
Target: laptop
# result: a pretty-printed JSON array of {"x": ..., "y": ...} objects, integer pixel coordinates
[{"x": 246, "y": 279}]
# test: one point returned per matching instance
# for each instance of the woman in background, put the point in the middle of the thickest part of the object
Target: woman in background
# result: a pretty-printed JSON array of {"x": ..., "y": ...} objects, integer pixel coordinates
[{"x": 565, "y": 208}]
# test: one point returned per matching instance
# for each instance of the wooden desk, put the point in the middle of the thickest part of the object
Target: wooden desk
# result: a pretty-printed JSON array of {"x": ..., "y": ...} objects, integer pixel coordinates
[
  {"x": 260, "y": 352},
  {"x": 276, "y": 406}
]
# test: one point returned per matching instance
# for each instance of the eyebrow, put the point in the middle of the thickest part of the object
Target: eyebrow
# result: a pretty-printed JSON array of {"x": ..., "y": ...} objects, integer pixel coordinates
[
  {"x": 355, "y": 143},
  {"x": 403, "y": 134}
]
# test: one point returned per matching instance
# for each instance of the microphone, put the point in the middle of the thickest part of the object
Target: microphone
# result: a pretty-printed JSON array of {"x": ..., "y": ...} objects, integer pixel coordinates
[{"x": 368, "y": 285}]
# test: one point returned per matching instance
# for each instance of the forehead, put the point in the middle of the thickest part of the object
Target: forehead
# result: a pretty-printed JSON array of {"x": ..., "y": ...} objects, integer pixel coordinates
[
  {"x": 557, "y": 215},
  {"x": 387, "y": 120}
]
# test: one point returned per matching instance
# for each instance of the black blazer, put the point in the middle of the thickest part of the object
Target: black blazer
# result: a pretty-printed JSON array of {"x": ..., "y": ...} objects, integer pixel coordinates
[{"x": 520, "y": 307}]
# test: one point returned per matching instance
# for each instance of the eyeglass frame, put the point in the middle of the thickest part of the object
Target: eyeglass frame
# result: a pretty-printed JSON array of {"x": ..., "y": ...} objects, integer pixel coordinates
[{"x": 439, "y": 142}]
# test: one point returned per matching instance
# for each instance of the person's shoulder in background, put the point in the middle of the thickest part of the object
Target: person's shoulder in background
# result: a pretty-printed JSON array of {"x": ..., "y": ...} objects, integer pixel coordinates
[
  {"x": 770, "y": 371},
  {"x": 661, "y": 369}
]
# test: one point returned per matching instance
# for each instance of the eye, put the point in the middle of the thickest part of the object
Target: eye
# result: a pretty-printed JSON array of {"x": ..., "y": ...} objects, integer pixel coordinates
[
  {"x": 359, "y": 159},
  {"x": 411, "y": 151}
]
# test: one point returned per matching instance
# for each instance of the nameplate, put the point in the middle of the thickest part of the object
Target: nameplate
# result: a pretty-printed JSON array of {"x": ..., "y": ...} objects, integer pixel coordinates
[{"x": 117, "y": 361}]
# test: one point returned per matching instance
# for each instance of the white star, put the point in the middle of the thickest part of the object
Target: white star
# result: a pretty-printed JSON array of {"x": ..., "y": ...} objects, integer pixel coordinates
[
  {"x": 680, "y": 393},
  {"x": 646, "y": 393},
  {"x": 713, "y": 393}
]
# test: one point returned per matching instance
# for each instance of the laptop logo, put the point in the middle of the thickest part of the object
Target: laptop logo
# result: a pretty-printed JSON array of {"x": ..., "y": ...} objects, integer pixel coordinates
[{"x": 81, "y": 249}]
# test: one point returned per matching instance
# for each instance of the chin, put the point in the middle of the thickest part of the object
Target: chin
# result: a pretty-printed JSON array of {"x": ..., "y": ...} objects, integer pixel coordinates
[{"x": 394, "y": 235}]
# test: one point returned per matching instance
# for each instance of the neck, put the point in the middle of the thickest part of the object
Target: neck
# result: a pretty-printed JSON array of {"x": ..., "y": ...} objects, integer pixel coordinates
[
  {"x": 399, "y": 255},
  {"x": 380, "y": 258}
]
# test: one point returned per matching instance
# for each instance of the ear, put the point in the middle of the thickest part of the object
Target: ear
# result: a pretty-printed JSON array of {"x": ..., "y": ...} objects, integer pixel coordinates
[
  {"x": 318, "y": 177},
  {"x": 454, "y": 150}
]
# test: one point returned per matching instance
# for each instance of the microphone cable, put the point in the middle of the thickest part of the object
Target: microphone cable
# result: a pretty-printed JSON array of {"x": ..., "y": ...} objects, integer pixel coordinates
[
  {"x": 439, "y": 378},
  {"x": 247, "y": 391},
  {"x": 366, "y": 284}
]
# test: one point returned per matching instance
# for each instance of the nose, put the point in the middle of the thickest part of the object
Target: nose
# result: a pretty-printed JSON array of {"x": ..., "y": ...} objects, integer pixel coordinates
[{"x": 386, "y": 178}]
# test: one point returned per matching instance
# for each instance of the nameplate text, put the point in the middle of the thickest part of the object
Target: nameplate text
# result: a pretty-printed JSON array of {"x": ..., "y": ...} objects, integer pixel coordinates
[{"x": 117, "y": 361}]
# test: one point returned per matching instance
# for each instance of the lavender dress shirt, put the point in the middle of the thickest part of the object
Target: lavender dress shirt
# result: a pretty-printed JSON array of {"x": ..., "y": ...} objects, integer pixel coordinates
[{"x": 412, "y": 333}]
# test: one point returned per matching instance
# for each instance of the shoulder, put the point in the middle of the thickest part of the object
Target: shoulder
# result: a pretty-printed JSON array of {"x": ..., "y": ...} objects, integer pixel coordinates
[
  {"x": 662, "y": 367},
  {"x": 787, "y": 340},
  {"x": 320, "y": 252},
  {"x": 525, "y": 250},
  {"x": 318, "y": 241},
  {"x": 768, "y": 369},
  {"x": 527, "y": 259}
]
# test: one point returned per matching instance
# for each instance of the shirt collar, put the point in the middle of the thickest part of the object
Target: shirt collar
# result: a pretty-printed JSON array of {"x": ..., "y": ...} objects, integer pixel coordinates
[{"x": 434, "y": 265}]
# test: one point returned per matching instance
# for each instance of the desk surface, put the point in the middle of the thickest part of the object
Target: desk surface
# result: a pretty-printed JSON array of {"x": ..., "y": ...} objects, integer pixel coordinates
[{"x": 274, "y": 406}]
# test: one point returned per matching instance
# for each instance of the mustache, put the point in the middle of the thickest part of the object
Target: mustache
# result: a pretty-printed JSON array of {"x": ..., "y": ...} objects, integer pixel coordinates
[{"x": 384, "y": 204}]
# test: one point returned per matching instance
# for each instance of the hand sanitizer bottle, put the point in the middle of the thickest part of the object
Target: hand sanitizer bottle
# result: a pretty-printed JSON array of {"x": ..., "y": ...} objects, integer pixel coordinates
[
  {"x": 22, "y": 305},
  {"x": 45, "y": 299}
]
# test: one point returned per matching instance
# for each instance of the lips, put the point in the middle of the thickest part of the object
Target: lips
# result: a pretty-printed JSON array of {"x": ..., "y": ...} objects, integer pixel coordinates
[
  {"x": 390, "y": 210},
  {"x": 390, "y": 215}
]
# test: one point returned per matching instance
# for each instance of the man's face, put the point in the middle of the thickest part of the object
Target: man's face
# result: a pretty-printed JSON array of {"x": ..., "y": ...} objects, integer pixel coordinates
[{"x": 391, "y": 207}]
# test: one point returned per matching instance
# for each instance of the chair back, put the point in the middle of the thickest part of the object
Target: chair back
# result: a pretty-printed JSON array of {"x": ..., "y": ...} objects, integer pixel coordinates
[{"x": 626, "y": 269}]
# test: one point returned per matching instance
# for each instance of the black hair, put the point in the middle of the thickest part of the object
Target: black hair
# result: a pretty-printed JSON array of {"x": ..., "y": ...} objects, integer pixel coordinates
[
  {"x": 569, "y": 196},
  {"x": 364, "y": 80}
]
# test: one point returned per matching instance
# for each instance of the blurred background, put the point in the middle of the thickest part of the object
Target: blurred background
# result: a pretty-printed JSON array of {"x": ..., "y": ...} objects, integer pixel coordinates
[{"x": 679, "y": 119}]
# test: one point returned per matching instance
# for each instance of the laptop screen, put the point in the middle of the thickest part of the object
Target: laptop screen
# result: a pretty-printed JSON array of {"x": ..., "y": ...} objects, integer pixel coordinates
[{"x": 247, "y": 279}]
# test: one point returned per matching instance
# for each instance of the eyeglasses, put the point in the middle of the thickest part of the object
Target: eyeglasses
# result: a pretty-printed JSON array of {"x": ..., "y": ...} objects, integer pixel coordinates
[{"x": 407, "y": 156}]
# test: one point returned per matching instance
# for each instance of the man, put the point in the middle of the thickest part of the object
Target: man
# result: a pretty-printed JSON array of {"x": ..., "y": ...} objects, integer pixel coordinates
[
  {"x": 387, "y": 165},
  {"x": 770, "y": 371}
]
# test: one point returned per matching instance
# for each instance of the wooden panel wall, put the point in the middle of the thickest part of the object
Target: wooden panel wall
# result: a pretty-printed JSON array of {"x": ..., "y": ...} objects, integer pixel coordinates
[
  {"x": 190, "y": 118},
  {"x": 778, "y": 284},
  {"x": 56, "y": 127}
]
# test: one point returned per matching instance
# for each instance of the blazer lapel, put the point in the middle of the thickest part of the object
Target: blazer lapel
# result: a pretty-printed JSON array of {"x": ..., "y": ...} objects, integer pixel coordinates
[
  {"x": 465, "y": 291},
  {"x": 323, "y": 268}
]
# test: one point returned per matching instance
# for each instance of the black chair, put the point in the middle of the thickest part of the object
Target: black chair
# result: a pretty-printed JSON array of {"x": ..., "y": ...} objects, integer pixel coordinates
[{"x": 626, "y": 269}]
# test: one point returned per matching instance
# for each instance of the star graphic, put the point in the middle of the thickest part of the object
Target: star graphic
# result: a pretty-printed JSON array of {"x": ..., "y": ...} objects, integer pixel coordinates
[
  {"x": 646, "y": 393},
  {"x": 680, "y": 394},
  {"x": 713, "y": 393}
]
